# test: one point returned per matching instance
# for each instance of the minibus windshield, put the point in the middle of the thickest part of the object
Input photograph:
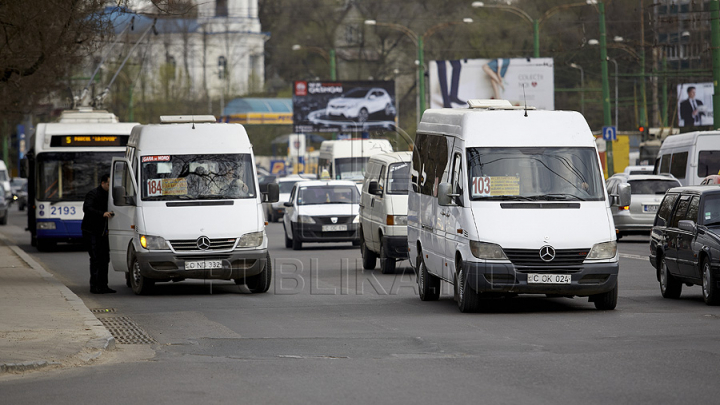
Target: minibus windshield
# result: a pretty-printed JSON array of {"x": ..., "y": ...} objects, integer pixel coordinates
[
  {"x": 328, "y": 195},
  {"x": 399, "y": 178},
  {"x": 350, "y": 168},
  {"x": 197, "y": 177},
  {"x": 534, "y": 173}
]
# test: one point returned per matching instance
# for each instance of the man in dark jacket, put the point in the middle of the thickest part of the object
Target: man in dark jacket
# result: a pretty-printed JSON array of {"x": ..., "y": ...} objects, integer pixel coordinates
[{"x": 94, "y": 229}]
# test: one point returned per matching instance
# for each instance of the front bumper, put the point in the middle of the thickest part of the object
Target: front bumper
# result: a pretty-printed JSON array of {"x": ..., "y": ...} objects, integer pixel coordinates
[
  {"x": 589, "y": 279},
  {"x": 395, "y": 247},
  {"x": 314, "y": 233},
  {"x": 166, "y": 265}
]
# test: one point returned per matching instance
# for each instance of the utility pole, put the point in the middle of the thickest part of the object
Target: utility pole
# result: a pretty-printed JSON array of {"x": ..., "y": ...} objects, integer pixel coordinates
[
  {"x": 605, "y": 89},
  {"x": 643, "y": 103},
  {"x": 715, "y": 43}
]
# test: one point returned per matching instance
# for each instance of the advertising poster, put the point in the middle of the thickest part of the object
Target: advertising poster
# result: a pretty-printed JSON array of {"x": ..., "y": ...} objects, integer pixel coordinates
[
  {"x": 695, "y": 107},
  {"x": 453, "y": 82},
  {"x": 343, "y": 106}
]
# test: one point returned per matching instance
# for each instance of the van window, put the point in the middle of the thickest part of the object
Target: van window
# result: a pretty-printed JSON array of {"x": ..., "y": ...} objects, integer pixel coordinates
[
  {"x": 351, "y": 168},
  {"x": 416, "y": 176},
  {"x": 665, "y": 164},
  {"x": 399, "y": 178},
  {"x": 665, "y": 209},
  {"x": 197, "y": 177},
  {"x": 456, "y": 181},
  {"x": 679, "y": 164},
  {"x": 430, "y": 160},
  {"x": 708, "y": 163},
  {"x": 680, "y": 211},
  {"x": 534, "y": 173}
]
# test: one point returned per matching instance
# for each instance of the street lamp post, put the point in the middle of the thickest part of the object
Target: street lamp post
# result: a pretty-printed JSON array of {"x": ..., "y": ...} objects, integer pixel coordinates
[
  {"x": 329, "y": 57},
  {"x": 536, "y": 22},
  {"x": 419, "y": 41},
  {"x": 605, "y": 89},
  {"x": 582, "y": 86},
  {"x": 617, "y": 125}
]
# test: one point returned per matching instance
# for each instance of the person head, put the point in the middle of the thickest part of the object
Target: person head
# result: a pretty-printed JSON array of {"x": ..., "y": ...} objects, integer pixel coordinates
[
  {"x": 691, "y": 92},
  {"x": 105, "y": 182}
]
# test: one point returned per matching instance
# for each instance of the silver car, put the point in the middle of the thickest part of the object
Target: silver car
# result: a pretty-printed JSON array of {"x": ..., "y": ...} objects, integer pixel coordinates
[{"x": 647, "y": 191}]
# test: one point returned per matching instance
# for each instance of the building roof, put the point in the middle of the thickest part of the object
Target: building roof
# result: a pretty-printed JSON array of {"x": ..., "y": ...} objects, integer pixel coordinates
[{"x": 120, "y": 18}]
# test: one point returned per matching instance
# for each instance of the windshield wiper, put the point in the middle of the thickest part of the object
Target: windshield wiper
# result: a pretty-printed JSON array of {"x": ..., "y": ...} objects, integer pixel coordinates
[
  {"x": 508, "y": 198},
  {"x": 213, "y": 196},
  {"x": 561, "y": 196}
]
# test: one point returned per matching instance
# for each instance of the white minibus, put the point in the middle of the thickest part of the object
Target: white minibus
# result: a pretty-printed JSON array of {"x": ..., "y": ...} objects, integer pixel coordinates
[
  {"x": 346, "y": 159},
  {"x": 690, "y": 157}
]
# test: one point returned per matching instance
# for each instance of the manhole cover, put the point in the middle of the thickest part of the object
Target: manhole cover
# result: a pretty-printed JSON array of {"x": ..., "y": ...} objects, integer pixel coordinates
[
  {"x": 126, "y": 331},
  {"x": 102, "y": 310}
]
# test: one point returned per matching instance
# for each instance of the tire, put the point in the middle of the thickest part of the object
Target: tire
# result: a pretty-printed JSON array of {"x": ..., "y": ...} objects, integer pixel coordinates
[
  {"x": 709, "y": 284},
  {"x": 296, "y": 242},
  {"x": 387, "y": 264},
  {"x": 288, "y": 241},
  {"x": 428, "y": 284},
  {"x": 3, "y": 220},
  {"x": 369, "y": 258},
  {"x": 670, "y": 287},
  {"x": 606, "y": 301},
  {"x": 140, "y": 284},
  {"x": 45, "y": 245},
  {"x": 363, "y": 115},
  {"x": 127, "y": 279},
  {"x": 468, "y": 300},
  {"x": 388, "y": 110},
  {"x": 260, "y": 283}
]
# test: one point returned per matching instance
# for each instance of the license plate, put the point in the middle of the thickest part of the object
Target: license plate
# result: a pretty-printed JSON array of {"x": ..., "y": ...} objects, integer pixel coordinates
[
  {"x": 333, "y": 228},
  {"x": 650, "y": 208},
  {"x": 535, "y": 278},
  {"x": 203, "y": 264}
]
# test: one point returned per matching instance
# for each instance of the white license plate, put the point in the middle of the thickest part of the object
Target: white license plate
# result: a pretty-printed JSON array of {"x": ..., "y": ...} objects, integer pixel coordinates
[
  {"x": 535, "y": 278},
  {"x": 333, "y": 228},
  {"x": 203, "y": 264},
  {"x": 650, "y": 208}
]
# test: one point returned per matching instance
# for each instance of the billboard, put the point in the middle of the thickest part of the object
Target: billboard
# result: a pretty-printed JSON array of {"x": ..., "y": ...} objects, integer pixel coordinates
[
  {"x": 453, "y": 82},
  {"x": 343, "y": 106},
  {"x": 695, "y": 107}
]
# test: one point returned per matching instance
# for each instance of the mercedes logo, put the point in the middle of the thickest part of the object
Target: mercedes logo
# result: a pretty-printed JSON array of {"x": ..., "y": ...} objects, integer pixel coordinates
[
  {"x": 203, "y": 243},
  {"x": 547, "y": 253},
  {"x": 333, "y": 220}
]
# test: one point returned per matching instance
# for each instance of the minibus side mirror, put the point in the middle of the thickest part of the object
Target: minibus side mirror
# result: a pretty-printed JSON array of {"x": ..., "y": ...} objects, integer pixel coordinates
[
  {"x": 374, "y": 188},
  {"x": 118, "y": 195},
  {"x": 288, "y": 203},
  {"x": 687, "y": 225},
  {"x": 444, "y": 194},
  {"x": 273, "y": 193},
  {"x": 624, "y": 195}
]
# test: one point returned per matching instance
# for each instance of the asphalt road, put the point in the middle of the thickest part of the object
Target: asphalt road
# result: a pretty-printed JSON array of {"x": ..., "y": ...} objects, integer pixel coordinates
[{"x": 329, "y": 333}]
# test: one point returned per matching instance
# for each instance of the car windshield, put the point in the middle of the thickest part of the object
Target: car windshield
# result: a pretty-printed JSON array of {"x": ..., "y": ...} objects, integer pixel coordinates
[
  {"x": 68, "y": 176},
  {"x": 355, "y": 93},
  {"x": 197, "y": 177},
  {"x": 711, "y": 210},
  {"x": 350, "y": 168},
  {"x": 399, "y": 179},
  {"x": 652, "y": 186},
  {"x": 534, "y": 173},
  {"x": 328, "y": 195}
]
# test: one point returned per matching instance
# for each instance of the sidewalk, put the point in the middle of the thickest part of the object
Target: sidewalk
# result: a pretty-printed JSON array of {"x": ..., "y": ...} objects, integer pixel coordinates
[{"x": 42, "y": 322}]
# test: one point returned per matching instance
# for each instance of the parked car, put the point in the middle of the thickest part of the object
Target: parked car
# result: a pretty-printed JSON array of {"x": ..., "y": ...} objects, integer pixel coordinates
[
  {"x": 275, "y": 211},
  {"x": 357, "y": 104},
  {"x": 322, "y": 211},
  {"x": 647, "y": 169},
  {"x": 3, "y": 207},
  {"x": 711, "y": 180},
  {"x": 19, "y": 192},
  {"x": 685, "y": 242},
  {"x": 383, "y": 210},
  {"x": 646, "y": 193}
]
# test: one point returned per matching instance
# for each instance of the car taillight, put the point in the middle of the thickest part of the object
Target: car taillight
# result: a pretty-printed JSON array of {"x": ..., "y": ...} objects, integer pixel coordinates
[{"x": 625, "y": 208}]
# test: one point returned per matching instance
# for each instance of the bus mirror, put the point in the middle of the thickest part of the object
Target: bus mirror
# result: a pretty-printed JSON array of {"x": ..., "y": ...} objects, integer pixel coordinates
[
  {"x": 118, "y": 195},
  {"x": 624, "y": 195},
  {"x": 273, "y": 193},
  {"x": 374, "y": 188},
  {"x": 444, "y": 194}
]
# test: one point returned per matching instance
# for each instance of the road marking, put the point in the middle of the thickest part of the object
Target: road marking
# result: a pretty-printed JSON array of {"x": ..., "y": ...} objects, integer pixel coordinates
[{"x": 636, "y": 257}]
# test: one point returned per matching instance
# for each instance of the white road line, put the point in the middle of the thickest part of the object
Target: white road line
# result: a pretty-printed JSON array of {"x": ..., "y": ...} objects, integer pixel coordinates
[{"x": 636, "y": 257}]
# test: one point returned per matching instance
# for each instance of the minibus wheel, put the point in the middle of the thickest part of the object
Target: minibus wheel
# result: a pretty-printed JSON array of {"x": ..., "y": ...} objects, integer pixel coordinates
[
  {"x": 428, "y": 285},
  {"x": 369, "y": 258},
  {"x": 260, "y": 283},
  {"x": 467, "y": 298},
  {"x": 288, "y": 241},
  {"x": 140, "y": 284},
  {"x": 387, "y": 264},
  {"x": 606, "y": 301}
]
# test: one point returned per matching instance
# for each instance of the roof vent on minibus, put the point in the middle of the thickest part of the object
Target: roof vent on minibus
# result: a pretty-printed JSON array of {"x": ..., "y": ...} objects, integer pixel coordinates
[
  {"x": 485, "y": 104},
  {"x": 186, "y": 119}
]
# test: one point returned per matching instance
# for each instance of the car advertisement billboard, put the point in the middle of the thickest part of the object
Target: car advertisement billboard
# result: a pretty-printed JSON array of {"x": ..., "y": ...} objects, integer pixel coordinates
[
  {"x": 453, "y": 82},
  {"x": 695, "y": 107},
  {"x": 343, "y": 106}
]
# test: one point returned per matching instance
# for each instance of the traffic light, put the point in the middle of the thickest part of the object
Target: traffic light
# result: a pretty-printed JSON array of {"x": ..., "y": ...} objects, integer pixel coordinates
[{"x": 642, "y": 130}]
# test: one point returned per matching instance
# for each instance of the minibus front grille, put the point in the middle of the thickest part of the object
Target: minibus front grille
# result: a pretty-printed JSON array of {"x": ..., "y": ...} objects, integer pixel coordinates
[
  {"x": 341, "y": 219},
  {"x": 531, "y": 257},
  {"x": 191, "y": 245}
]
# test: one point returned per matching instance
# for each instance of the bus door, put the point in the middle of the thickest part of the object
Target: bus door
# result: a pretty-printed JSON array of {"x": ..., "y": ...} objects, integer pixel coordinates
[{"x": 122, "y": 201}]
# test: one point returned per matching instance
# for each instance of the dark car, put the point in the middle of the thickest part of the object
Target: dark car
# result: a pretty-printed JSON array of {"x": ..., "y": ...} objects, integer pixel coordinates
[{"x": 685, "y": 241}]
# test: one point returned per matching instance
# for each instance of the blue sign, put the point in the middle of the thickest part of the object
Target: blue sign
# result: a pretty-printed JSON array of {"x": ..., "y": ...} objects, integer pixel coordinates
[{"x": 609, "y": 133}]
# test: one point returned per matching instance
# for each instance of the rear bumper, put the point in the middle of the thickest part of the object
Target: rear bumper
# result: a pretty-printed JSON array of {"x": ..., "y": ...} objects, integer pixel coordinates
[
  {"x": 168, "y": 265},
  {"x": 591, "y": 279},
  {"x": 65, "y": 231},
  {"x": 395, "y": 247}
]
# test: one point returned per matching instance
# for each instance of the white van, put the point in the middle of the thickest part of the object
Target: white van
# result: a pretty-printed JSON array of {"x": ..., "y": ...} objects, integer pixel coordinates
[
  {"x": 504, "y": 201},
  {"x": 346, "y": 159},
  {"x": 690, "y": 157},
  {"x": 186, "y": 204},
  {"x": 383, "y": 210},
  {"x": 5, "y": 181}
]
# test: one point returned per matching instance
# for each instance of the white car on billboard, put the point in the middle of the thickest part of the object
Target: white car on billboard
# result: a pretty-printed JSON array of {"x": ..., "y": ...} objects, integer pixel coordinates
[{"x": 359, "y": 103}]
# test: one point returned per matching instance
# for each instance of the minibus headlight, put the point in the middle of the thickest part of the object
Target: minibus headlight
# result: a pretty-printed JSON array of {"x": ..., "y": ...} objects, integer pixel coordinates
[
  {"x": 396, "y": 220},
  {"x": 606, "y": 250},
  {"x": 356, "y": 220},
  {"x": 253, "y": 239},
  {"x": 150, "y": 242},
  {"x": 483, "y": 250},
  {"x": 46, "y": 225},
  {"x": 305, "y": 219}
]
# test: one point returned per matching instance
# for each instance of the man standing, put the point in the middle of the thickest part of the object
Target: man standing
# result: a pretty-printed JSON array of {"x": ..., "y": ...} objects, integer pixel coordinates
[
  {"x": 94, "y": 229},
  {"x": 689, "y": 109}
]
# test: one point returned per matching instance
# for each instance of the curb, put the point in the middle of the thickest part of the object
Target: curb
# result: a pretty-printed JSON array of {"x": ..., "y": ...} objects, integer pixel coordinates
[{"x": 103, "y": 341}]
